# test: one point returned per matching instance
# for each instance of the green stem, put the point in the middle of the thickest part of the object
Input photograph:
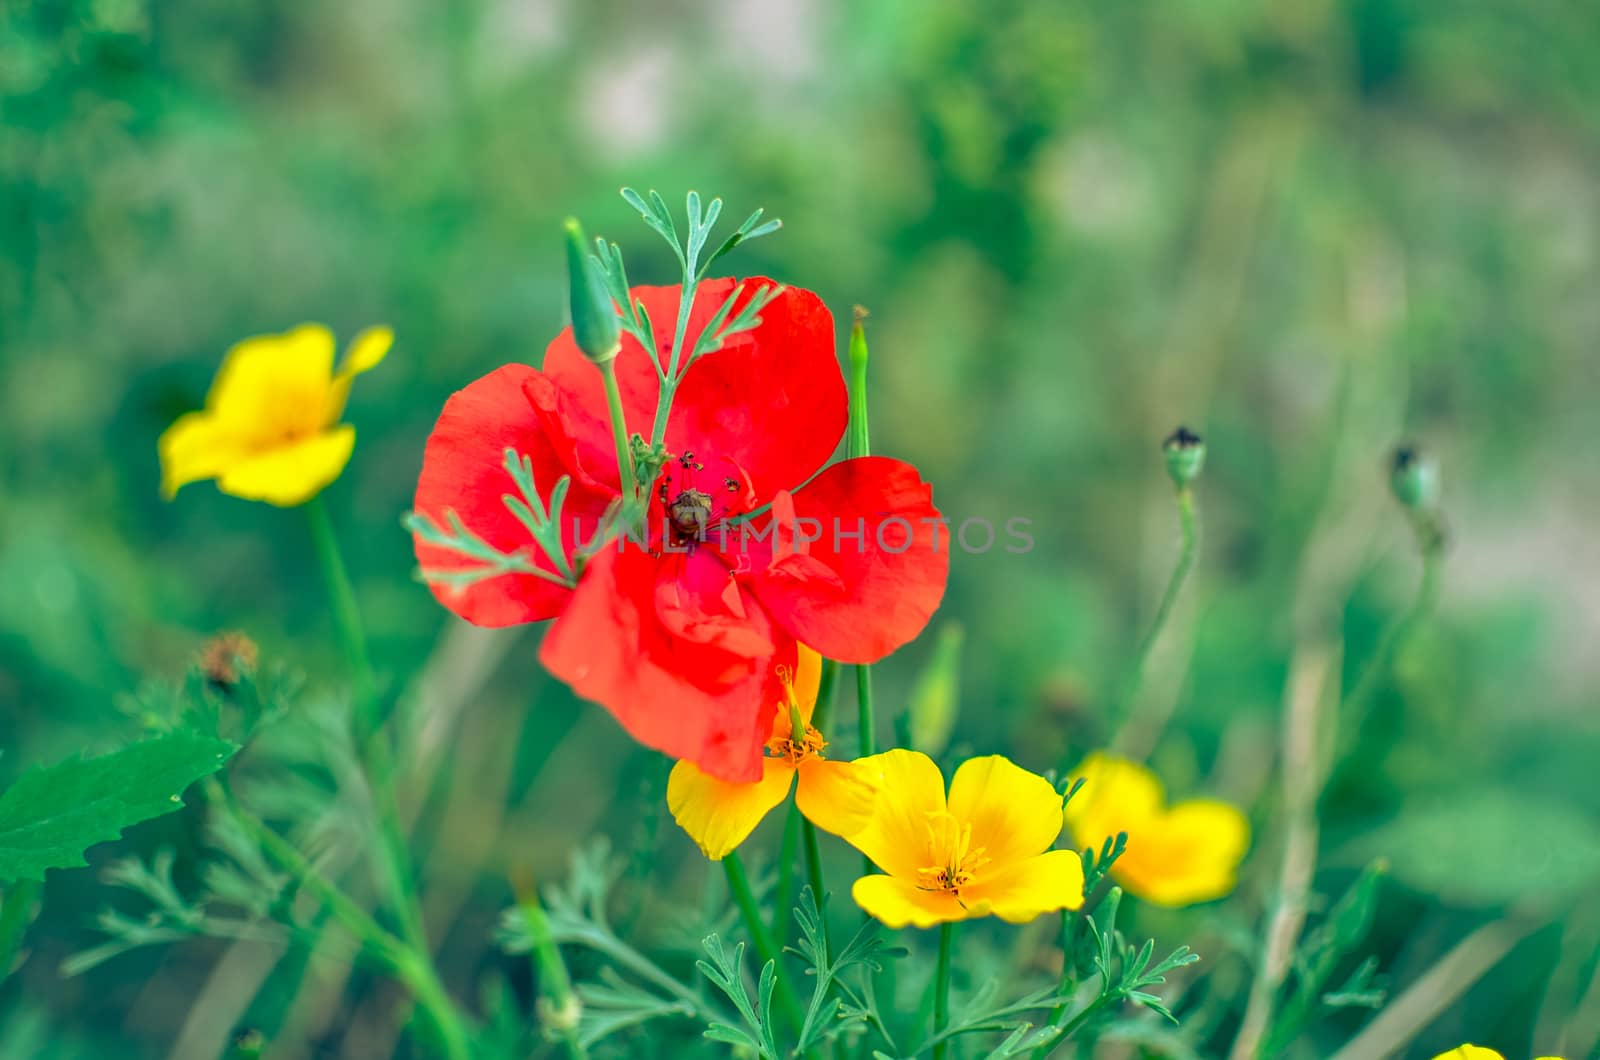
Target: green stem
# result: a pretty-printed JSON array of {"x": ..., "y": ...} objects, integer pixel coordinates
[
  {"x": 858, "y": 443},
  {"x": 669, "y": 381},
  {"x": 554, "y": 981},
  {"x": 1189, "y": 529},
  {"x": 346, "y": 613},
  {"x": 866, "y": 725},
  {"x": 1072, "y": 1026},
  {"x": 864, "y": 717},
  {"x": 371, "y": 740},
  {"x": 941, "y": 990},
  {"x": 619, "y": 432},
  {"x": 766, "y": 950},
  {"x": 1072, "y": 922},
  {"x": 1396, "y": 635},
  {"x": 16, "y": 911},
  {"x": 814, "y": 877},
  {"x": 783, "y": 895},
  {"x": 826, "y": 683}
]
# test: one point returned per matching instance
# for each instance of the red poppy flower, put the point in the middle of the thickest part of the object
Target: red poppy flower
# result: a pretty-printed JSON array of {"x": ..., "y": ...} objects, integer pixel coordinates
[{"x": 681, "y": 639}]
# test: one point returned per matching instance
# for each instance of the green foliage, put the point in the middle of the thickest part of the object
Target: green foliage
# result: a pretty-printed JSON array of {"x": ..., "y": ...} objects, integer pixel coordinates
[
  {"x": 1319, "y": 953},
  {"x": 829, "y": 1015},
  {"x": 576, "y": 915},
  {"x": 726, "y": 973},
  {"x": 247, "y": 886},
  {"x": 52, "y": 814}
]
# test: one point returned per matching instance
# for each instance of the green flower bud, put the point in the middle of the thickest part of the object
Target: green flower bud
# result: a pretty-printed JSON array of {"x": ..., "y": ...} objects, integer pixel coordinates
[
  {"x": 1414, "y": 478},
  {"x": 594, "y": 317},
  {"x": 559, "y": 1018},
  {"x": 1186, "y": 455}
]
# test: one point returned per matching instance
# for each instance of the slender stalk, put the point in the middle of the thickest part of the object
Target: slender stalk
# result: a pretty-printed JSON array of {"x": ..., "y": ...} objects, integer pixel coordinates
[
  {"x": 1072, "y": 922},
  {"x": 1140, "y": 731},
  {"x": 346, "y": 613},
  {"x": 16, "y": 911},
  {"x": 1397, "y": 633},
  {"x": 619, "y": 432},
  {"x": 941, "y": 990},
  {"x": 814, "y": 877},
  {"x": 1304, "y": 771},
  {"x": 554, "y": 982},
  {"x": 1303, "y": 774},
  {"x": 826, "y": 683},
  {"x": 766, "y": 949},
  {"x": 1072, "y": 1026},
  {"x": 371, "y": 741},
  {"x": 864, "y": 716},
  {"x": 866, "y": 725},
  {"x": 858, "y": 443},
  {"x": 669, "y": 382},
  {"x": 783, "y": 894}
]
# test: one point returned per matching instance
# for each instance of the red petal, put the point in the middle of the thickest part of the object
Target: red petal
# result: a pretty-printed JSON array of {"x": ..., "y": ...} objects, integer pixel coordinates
[
  {"x": 773, "y": 399},
  {"x": 463, "y": 470},
  {"x": 852, "y": 599},
  {"x": 677, "y": 652}
]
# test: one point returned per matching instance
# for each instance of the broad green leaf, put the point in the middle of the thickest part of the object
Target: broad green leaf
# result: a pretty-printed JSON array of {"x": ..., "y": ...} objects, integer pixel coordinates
[
  {"x": 52, "y": 814},
  {"x": 1491, "y": 847}
]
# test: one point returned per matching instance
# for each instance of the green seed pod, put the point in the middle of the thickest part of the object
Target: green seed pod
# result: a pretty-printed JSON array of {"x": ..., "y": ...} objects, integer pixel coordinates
[
  {"x": 1414, "y": 478},
  {"x": 594, "y": 318},
  {"x": 1186, "y": 455}
]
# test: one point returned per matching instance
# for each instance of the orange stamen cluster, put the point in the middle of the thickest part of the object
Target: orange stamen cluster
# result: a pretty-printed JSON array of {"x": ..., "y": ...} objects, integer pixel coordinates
[{"x": 957, "y": 859}]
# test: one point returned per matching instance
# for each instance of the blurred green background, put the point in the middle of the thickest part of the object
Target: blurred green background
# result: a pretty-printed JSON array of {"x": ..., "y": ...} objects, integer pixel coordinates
[{"x": 1309, "y": 230}]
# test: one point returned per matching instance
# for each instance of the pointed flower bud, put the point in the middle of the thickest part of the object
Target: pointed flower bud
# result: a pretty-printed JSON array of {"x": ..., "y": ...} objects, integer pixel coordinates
[
  {"x": 857, "y": 437},
  {"x": 594, "y": 318},
  {"x": 1414, "y": 478},
  {"x": 1186, "y": 455}
]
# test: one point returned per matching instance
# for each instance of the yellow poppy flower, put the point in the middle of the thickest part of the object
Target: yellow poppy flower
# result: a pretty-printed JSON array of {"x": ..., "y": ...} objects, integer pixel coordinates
[
  {"x": 835, "y": 796},
  {"x": 1478, "y": 1052},
  {"x": 1176, "y": 855},
  {"x": 982, "y": 851},
  {"x": 270, "y": 430}
]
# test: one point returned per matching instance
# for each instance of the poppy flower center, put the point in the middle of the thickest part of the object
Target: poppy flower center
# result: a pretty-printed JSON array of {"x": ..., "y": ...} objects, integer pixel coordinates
[
  {"x": 956, "y": 859},
  {"x": 695, "y": 495},
  {"x": 798, "y": 748},
  {"x": 804, "y": 740}
]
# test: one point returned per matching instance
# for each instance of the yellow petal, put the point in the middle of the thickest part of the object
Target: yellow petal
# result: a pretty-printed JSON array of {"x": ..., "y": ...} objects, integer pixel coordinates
[
  {"x": 1118, "y": 795},
  {"x": 898, "y": 903},
  {"x": 719, "y": 815},
  {"x": 1189, "y": 854},
  {"x": 899, "y": 838},
  {"x": 837, "y": 797},
  {"x": 1014, "y": 814},
  {"x": 366, "y": 351},
  {"x": 1471, "y": 1052},
  {"x": 1031, "y": 887},
  {"x": 195, "y": 447},
  {"x": 807, "y": 678},
  {"x": 274, "y": 387},
  {"x": 291, "y": 474}
]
